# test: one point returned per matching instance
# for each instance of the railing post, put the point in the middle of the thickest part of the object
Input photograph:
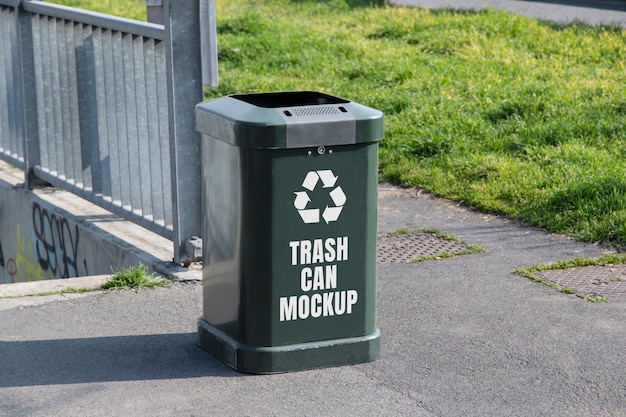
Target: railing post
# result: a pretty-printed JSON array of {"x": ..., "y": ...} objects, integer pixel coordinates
[
  {"x": 28, "y": 82},
  {"x": 154, "y": 9},
  {"x": 184, "y": 81}
]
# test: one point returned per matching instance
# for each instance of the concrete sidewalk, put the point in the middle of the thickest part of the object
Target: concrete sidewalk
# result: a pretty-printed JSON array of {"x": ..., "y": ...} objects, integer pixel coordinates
[
  {"x": 464, "y": 336},
  {"x": 598, "y": 12}
]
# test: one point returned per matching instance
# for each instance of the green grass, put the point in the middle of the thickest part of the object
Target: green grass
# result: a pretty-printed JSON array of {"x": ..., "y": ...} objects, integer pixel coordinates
[
  {"x": 608, "y": 259},
  {"x": 498, "y": 111},
  {"x": 132, "y": 9},
  {"x": 134, "y": 277}
]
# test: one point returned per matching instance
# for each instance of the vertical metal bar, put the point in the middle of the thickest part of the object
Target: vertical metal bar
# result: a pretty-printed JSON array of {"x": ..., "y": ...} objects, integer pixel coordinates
[
  {"x": 36, "y": 150},
  {"x": 152, "y": 151},
  {"x": 15, "y": 94},
  {"x": 131, "y": 149},
  {"x": 7, "y": 18},
  {"x": 46, "y": 103},
  {"x": 72, "y": 132},
  {"x": 65, "y": 111},
  {"x": 154, "y": 10},
  {"x": 87, "y": 166},
  {"x": 143, "y": 149},
  {"x": 102, "y": 89},
  {"x": 16, "y": 97},
  {"x": 163, "y": 134},
  {"x": 184, "y": 80},
  {"x": 29, "y": 90},
  {"x": 208, "y": 42},
  {"x": 113, "y": 104},
  {"x": 100, "y": 162},
  {"x": 56, "y": 163},
  {"x": 122, "y": 132}
]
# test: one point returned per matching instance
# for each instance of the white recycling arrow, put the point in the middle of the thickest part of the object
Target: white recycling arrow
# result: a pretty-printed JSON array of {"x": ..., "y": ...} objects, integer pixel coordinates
[
  {"x": 327, "y": 177},
  {"x": 310, "y": 181},
  {"x": 310, "y": 216},
  {"x": 338, "y": 196},
  {"x": 302, "y": 199},
  {"x": 331, "y": 214}
]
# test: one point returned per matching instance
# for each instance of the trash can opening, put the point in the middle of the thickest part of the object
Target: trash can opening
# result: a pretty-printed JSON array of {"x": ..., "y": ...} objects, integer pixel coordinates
[{"x": 289, "y": 99}]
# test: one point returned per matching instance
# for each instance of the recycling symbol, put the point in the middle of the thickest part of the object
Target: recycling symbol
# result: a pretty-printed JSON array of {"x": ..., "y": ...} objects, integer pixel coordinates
[{"x": 302, "y": 200}]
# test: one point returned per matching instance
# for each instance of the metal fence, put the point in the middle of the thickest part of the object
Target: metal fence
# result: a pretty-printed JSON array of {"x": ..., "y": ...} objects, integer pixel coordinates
[
  {"x": 11, "y": 126},
  {"x": 103, "y": 106}
]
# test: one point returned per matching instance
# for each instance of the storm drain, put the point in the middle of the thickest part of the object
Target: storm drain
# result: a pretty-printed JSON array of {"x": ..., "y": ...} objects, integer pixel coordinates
[
  {"x": 590, "y": 281},
  {"x": 413, "y": 246}
]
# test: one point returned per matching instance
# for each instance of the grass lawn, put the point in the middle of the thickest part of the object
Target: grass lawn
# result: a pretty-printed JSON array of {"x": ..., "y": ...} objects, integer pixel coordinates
[{"x": 499, "y": 111}]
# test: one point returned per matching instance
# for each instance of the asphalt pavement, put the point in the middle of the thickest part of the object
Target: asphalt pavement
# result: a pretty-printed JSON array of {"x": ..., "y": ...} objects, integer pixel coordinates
[
  {"x": 463, "y": 336},
  {"x": 593, "y": 12}
]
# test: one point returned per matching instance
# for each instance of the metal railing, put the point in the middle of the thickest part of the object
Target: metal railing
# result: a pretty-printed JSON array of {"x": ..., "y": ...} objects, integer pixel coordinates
[
  {"x": 11, "y": 126},
  {"x": 103, "y": 106}
]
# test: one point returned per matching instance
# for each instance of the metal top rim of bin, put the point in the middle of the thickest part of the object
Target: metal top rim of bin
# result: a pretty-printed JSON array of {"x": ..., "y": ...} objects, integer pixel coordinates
[{"x": 291, "y": 119}]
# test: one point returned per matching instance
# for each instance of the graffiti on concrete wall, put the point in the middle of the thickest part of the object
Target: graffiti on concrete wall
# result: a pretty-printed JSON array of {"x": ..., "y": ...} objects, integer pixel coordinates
[
  {"x": 46, "y": 246},
  {"x": 26, "y": 264},
  {"x": 7, "y": 265},
  {"x": 56, "y": 243}
]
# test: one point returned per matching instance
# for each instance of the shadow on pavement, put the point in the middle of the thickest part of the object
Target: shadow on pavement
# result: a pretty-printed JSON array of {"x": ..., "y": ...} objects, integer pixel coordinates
[
  {"x": 104, "y": 359},
  {"x": 595, "y": 4}
]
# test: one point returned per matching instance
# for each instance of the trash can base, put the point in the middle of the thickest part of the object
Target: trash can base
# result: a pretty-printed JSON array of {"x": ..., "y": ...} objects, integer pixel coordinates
[{"x": 296, "y": 357}]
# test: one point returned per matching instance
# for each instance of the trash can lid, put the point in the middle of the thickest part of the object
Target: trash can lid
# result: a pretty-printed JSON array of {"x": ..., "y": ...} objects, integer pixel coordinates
[{"x": 293, "y": 119}]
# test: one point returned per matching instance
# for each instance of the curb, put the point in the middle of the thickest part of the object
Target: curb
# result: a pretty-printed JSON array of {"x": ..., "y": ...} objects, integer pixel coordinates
[{"x": 23, "y": 289}]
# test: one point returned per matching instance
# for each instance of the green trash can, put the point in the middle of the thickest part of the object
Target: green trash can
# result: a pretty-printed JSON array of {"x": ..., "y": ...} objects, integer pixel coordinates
[{"x": 289, "y": 221}]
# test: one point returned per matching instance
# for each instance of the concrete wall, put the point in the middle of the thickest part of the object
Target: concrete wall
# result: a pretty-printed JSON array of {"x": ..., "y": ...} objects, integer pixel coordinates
[{"x": 51, "y": 234}]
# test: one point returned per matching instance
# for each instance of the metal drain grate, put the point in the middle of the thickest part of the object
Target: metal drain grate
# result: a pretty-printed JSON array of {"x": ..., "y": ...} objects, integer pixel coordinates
[
  {"x": 402, "y": 248},
  {"x": 591, "y": 281}
]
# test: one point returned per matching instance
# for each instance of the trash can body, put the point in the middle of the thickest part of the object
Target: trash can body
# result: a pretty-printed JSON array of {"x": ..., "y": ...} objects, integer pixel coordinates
[{"x": 289, "y": 258}]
